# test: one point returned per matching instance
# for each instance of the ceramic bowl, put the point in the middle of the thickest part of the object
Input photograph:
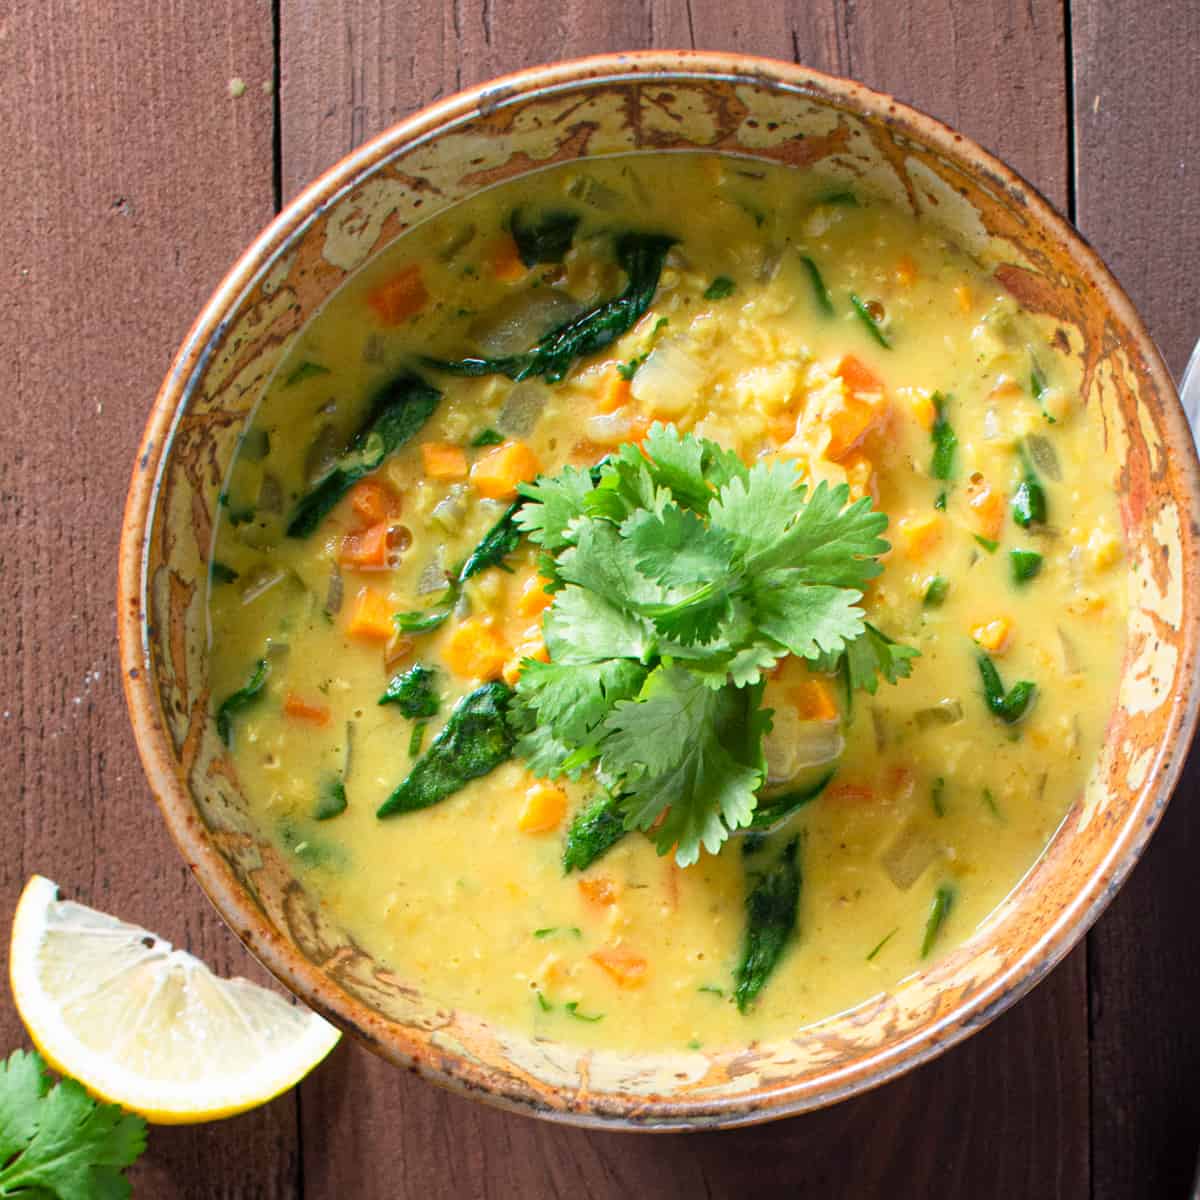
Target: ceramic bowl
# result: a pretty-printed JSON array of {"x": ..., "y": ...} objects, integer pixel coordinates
[{"x": 620, "y": 104}]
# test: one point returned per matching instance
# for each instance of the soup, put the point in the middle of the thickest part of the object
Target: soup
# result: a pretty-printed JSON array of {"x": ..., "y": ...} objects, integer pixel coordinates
[{"x": 559, "y": 638}]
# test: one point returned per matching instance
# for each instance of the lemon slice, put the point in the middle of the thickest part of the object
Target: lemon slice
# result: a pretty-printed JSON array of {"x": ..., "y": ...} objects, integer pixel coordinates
[{"x": 149, "y": 1027}]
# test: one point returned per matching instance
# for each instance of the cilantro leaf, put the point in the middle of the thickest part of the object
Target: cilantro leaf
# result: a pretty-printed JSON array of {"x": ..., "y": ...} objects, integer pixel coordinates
[
  {"x": 677, "y": 463},
  {"x": 59, "y": 1142},
  {"x": 756, "y": 511},
  {"x": 571, "y": 699},
  {"x": 581, "y": 626},
  {"x": 684, "y": 747},
  {"x": 876, "y": 654},
  {"x": 601, "y": 562},
  {"x": 676, "y": 548},
  {"x": 809, "y": 619},
  {"x": 557, "y": 502}
]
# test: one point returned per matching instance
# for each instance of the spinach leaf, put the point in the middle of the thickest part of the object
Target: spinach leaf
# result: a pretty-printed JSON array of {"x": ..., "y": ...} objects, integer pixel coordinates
[
  {"x": 331, "y": 798},
  {"x": 720, "y": 289},
  {"x": 596, "y": 829},
  {"x": 243, "y": 698},
  {"x": 771, "y": 912},
  {"x": 1029, "y": 500},
  {"x": 1025, "y": 565},
  {"x": 499, "y": 541},
  {"x": 542, "y": 238},
  {"x": 305, "y": 370},
  {"x": 641, "y": 256},
  {"x": 221, "y": 573},
  {"x": 475, "y": 740},
  {"x": 412, "y": 692},
  {"x": 398, "y": 413},
  {"x": 772, "y": 810},
  {"x": 1009, "y": 706},
  {"x": 487, "y": 437}
]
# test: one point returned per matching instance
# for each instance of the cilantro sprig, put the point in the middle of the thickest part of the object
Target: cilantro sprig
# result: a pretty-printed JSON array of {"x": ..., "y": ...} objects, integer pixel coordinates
[
  {"x": 680, "y": 577},
  {"x": 56, "y": 1141}
]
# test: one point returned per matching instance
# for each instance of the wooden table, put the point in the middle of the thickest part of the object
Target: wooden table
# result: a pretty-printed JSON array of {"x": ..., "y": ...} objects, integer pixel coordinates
[{"x": 132, "y": 176}]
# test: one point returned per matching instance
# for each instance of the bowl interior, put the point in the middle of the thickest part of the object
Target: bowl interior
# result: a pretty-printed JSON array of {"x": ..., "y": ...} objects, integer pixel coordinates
[{"x": 627, "y": 104}]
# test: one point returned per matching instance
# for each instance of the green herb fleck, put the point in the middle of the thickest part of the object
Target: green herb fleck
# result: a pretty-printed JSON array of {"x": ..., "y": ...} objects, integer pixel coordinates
[
  {"x": 945, "y": 442},
  {"x": 990, "y": 546},
  {"x": 694, "y": 1044},
  {"x": 416, "y": 739},
  {"x": 572, "y": 1009},
  {"x": 543, "y": 1003},
  {"x": 720, "y": 289},
  {"x": 935, "y": 591},
  {"x": 711, "y": 990},
  {"x": 887, "y": 937},
  {"x": 222, "y": 573},
  {"x": 864, "y": 315},
  {"x": 305, "y": 370},
  {"x": 940, "y": 502},
  {"x": 943, "y": 901},
  {"x": 331, "y": 798},
  {"x": 990, "y": 804},
  {"x": 1009, "y": 706},
  {"x": 1025, "y": 565},
  {"x": 487, "y": 437},
  {"x": 840, "y": 198},
  {"x": 820, "y": 291},
  {"x": 1037, "y": 385},
  {"x": 240, "y": 700},
  {"x": 937, "y": 797}
]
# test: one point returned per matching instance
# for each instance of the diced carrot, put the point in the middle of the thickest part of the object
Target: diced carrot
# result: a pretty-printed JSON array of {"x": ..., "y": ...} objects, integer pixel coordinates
[
  {"x": 365, "y": 547},
  {"x": 400, "y": 297},
  {"x": 534, "y": 598},
  {"x": 863, "y": 410},
  {"x": 923, "y": 410},
  {"x": 615, "y": 391},
  {"x": 919, "y": 535},
  {"x": 851, "y": 793},
  {"x": 813, "y": 699},
  {"x": 506, "y": 259},
  {"x": 962, "y": 294},
  {"x": 987, "y": 505},
  {"x": 600, "y": 890},
  {"x": 860, "y": 475},
  {"x": 639, "y": 426},
  {"x": 371, "y": 617},
  {"x": 994, "y": 636},
  {"x": 782, "y": 426},
  {"x": 306, "y": 710},
  {"x": 906, "y": 270},
  {"x": 623, "y": 966},
  {"x": 544, "y": 808},
  {"x": 373, "y": 501},
  {"x": 475, "y": 650},
  {"x": 498, "y": 472},
  {"x": 900, "y": 783},
  {"x": 857, "y": 376},
  {"x": 442, "y": 460}
]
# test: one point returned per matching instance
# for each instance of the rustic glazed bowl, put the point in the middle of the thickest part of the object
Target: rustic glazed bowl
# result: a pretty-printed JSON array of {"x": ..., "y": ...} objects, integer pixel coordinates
[{"x": 621, "y": 104}]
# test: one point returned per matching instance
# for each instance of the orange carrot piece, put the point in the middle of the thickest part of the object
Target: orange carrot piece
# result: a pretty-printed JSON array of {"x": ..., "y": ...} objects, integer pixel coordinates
[
  {"x": 371, "y": 617},
  {"x": 365, "y": 548},
  {"x": 475, "y": 650},
  {"x": 544, "y": 808},
  {"x": 443, "y": 460},
  {"x": 373, "y": 501},
  {"x": 623, "y": 966},
  {"x": 813, "y": 700},
  {"x": 615, "y": 392},
  {"x": 987, "y": 505},
  {"x": 906, "y": 270},
  {"x": 306, "y": 710},
  {"x": 923, "y": 410},
  {"x": 534, "y": 598},
  {"x": 851, "y": 793},
  {"x": 857, "y": 376},
  {"x": 506, "y": 259},
  {"x": 600, "y": 890},
  {"x": 498, "y": 472},
  {"x": 918, "y": 535},
  {"x": 994, "y": 636},
  {"x": 401, "y": 297}
]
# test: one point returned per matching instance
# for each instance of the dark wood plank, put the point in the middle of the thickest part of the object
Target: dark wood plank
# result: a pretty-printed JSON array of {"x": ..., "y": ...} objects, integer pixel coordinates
[
  {"x": 1137, "y": 152},
  {"x": 997, "y": 71},
  {"x": 131, "y": 181}
]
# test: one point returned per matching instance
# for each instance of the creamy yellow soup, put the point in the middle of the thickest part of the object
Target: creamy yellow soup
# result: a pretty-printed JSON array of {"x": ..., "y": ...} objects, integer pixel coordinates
[{"x": 794, "y": 320}]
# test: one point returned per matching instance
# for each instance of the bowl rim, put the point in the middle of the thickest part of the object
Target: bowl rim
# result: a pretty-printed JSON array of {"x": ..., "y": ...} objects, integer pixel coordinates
[{"x": 250, "y": 923}]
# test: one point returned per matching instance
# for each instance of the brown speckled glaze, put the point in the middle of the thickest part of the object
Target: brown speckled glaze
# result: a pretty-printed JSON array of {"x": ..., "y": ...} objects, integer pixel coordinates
[{"x": 620, "y": 104}]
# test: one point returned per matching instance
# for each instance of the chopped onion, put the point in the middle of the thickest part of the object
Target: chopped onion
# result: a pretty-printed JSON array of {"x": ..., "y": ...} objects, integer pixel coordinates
[
  {"x": 449, "y": 513},
  {"x": 1044, "y": 456},
  {"x": 262, "y": 581},
  {"x": 322, "y": 454},
  {"x": 1070, "y": 655},
  {"x": 945, "y": 712},
  {"x": 433, "y": 577},
  {"x": 523, "y": 408},
  {"x": 335, "y": 593},
  {"x": 514, "y": 325},
  {"x": 270, "y": 494},
  {"x": 609, "y": 429},
  {"x": 670, "y": 381},
  {"x": 794, "y": 745},
  {"x": 906, "y": 859},
  {"x": 372, "y": 351},
  {"x": 991, "y": 425}
]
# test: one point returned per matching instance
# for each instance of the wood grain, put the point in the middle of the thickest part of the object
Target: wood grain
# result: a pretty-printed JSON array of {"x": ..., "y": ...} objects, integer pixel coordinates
[
  {"x": 1138, "y": 198},
  {"x": 1005, "y": 1115},
  {"x": 131, "y": 181}
]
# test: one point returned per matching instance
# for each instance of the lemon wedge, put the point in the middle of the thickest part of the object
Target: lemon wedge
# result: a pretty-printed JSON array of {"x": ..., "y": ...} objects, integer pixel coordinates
[{"x": 146, "y": 1026}]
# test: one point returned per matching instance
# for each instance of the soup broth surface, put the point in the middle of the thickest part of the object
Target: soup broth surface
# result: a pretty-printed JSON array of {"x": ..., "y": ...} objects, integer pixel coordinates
[{"x": 793, "y": 319}]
